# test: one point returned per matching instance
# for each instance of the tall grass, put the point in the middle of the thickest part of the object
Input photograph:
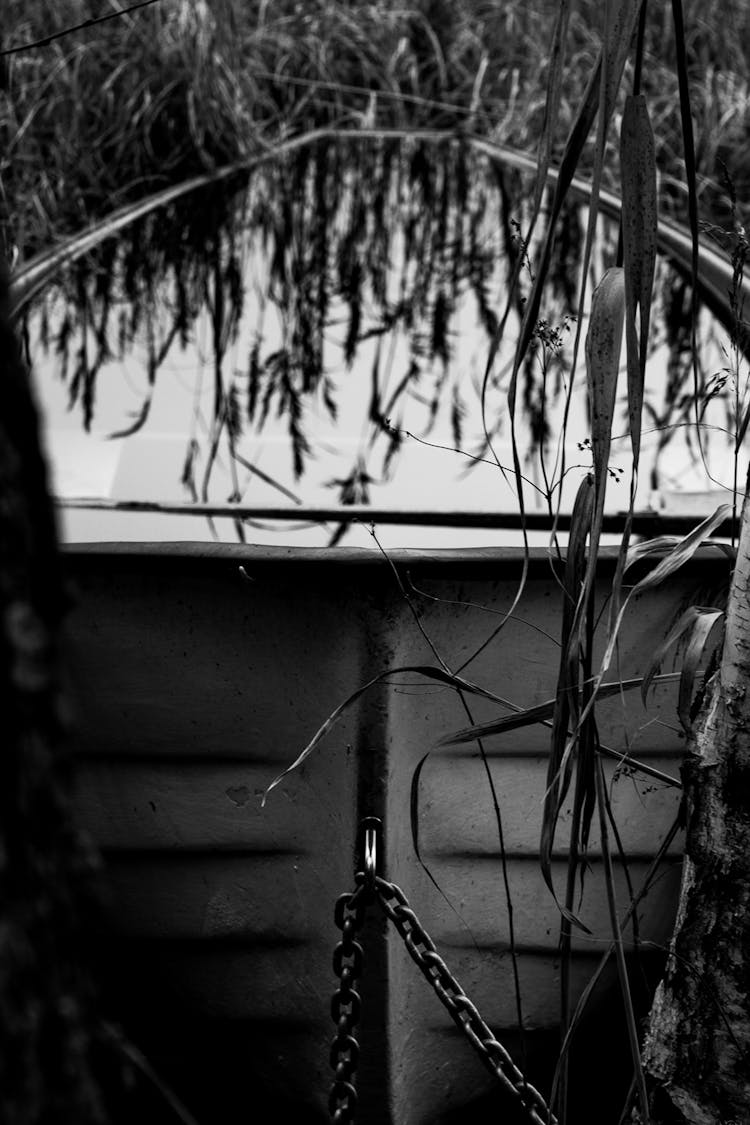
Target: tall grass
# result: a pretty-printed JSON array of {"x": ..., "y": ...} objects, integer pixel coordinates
[{"x": 169, "y": 91}]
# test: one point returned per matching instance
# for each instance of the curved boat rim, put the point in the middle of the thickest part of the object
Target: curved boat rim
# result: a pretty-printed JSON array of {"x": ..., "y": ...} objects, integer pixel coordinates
[{"x": 241, "y": 553}]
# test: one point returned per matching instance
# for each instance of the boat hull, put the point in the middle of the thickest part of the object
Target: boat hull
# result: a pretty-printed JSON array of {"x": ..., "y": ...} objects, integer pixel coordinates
[{"x": 197, "y": 683}]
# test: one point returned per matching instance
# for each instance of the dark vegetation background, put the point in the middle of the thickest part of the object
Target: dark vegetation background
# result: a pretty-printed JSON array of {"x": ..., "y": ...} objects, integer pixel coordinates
[{"x": 101, "y": 118}]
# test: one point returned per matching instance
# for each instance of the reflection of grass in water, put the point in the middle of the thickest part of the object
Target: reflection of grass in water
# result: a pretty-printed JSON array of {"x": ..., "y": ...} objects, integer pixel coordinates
[
  {"x": 212, "y": 85},
  {"x": 408, "y": 276}
]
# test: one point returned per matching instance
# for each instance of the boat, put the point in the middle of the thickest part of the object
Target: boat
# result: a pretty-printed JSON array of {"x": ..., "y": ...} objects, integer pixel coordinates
[{"x": 202, "y": 670}]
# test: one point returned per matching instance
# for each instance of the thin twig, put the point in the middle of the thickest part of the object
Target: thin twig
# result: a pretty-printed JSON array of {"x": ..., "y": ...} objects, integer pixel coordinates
[{"x": 76, "y": 27}]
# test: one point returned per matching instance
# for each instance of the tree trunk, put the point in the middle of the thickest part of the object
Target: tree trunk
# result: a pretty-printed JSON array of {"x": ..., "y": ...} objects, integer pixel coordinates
[
  {"x": 49, "y": 1035},
  {"x": 697, "y": 1051}
]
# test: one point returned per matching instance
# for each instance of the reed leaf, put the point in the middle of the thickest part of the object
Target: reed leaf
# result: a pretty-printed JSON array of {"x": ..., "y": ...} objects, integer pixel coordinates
[
  {"x": 598, "y": 98},
  {"x": 681, "y": 553},
  {"x": 553, "y": 100},
  {"x": 566, "y": 699},
  {"x": 603, "y": 349},
  {"x": 619, "y": 21},
  {"x": 688, "y": 144},
  {"x": 639, "y": 235},
  {"x": 575, "y": 558},
  {"x": 543, "y": 712},
  {"x": 650, "y": 878}
]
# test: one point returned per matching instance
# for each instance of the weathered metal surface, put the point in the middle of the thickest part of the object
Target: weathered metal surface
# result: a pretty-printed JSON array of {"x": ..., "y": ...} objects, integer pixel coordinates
[{"x": 195, "y": 687}]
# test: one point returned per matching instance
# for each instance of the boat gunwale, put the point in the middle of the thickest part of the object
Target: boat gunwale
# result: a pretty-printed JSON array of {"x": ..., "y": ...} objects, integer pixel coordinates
[{"x": 488, "y": 558}]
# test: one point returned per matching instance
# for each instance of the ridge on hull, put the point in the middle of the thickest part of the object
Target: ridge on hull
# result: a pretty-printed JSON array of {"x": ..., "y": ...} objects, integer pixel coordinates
[{"x": 196, "y": 687}]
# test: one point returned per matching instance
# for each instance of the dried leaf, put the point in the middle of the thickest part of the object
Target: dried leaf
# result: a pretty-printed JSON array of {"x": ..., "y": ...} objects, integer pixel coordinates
[
  {"x": 684, "y": 549},
  {"x": 693, "y": 655},
  {"x": 649, "y": 547},
  {"x": 683, "y": 625},
  {"x": 664, "y": 543},
  {"x": 680, "y": 554}
]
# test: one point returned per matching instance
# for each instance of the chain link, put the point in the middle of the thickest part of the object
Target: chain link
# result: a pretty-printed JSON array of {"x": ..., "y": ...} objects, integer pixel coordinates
[
  {"x": 464, "y": 1014},
  {"x": 346, "y": 1004}
]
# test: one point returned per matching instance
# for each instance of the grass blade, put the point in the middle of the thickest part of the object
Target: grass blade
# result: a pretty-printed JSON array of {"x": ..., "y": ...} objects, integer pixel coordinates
[
  {"x": 414, "y": 819},
  {"x": 427, "y": 671}
]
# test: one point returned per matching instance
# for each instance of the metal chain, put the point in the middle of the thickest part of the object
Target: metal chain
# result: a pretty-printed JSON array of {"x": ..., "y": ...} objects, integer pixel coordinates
[
  {"x": 346, "y": 1004},
  {"x": 452, "y": 997}
]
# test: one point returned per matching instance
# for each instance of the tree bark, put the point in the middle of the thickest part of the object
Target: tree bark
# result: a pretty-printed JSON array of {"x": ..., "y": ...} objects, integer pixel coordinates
[{"x": 697, "y": 1050}]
